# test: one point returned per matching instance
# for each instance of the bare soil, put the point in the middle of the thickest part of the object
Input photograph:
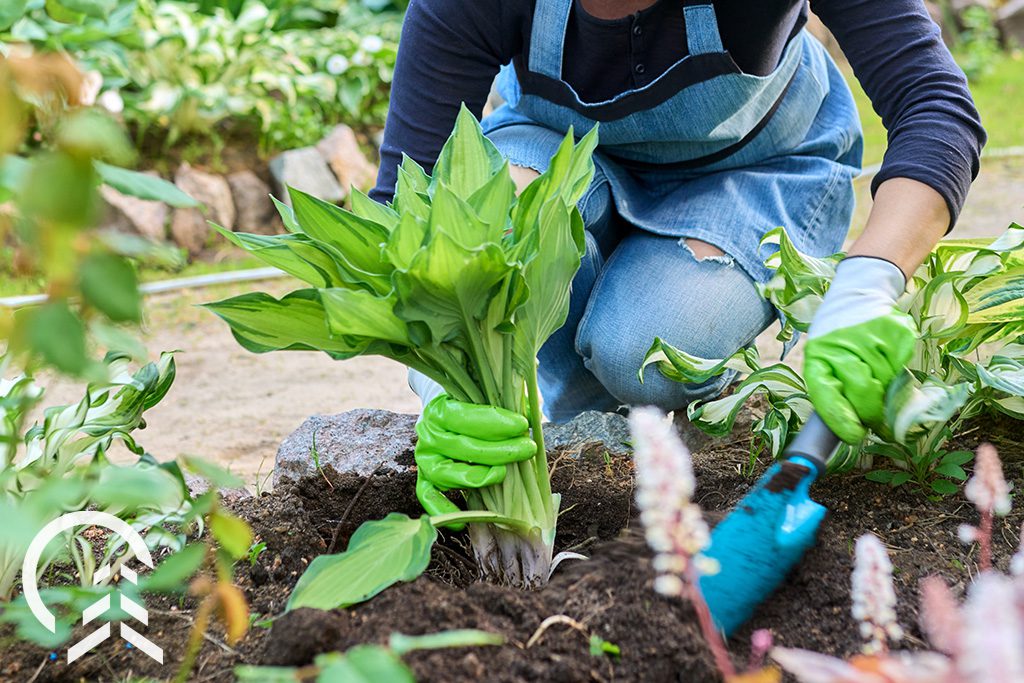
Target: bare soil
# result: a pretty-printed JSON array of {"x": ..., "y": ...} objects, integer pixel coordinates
[{"x": 609, "y": 595}]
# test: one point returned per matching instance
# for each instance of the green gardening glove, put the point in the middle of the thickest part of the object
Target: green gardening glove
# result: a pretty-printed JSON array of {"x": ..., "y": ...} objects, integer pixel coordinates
[
  {"x": 465, "y": 446},
  {"x": 857, "y": 344}
]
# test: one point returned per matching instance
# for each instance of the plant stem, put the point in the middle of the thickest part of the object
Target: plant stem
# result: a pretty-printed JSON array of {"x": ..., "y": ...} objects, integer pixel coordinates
[
  {"x": 710, "y": 631},
  {"x": 195, "y": 637},
  {"x": 985, "y": 541},
  {"x": 540, "y": 460}
]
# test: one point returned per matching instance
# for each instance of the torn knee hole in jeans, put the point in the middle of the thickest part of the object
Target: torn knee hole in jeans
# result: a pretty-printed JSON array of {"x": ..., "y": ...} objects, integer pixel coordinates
[{"x": 703, "y": 252}]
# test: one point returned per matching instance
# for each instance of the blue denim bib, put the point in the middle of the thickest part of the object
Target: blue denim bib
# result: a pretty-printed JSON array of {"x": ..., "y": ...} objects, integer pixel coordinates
[{"x": 711, "y": 153}]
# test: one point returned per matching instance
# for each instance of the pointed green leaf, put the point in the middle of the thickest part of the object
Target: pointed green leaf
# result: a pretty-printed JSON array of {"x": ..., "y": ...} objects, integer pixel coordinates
[
  {"x": 261, "y": 323},
  {"x": 143, "y": 186},
  {"x": 998, "y": 298},
  {"x": 380, "y": 554},
  {"x": 468, "y": 159},
  {"x": 358, "y": 239},
  {"x": 364, "y": 207},
  {"x": 357, "y": 313},
  {"x": 296, "y": 255}
]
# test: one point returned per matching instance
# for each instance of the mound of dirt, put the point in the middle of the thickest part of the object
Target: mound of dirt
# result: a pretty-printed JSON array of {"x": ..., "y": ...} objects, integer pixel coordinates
[{"x": 609, "y": 596}]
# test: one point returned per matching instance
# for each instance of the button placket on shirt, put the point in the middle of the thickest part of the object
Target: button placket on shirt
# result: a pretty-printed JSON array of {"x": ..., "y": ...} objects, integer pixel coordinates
[{"x": 636, "y": 38}]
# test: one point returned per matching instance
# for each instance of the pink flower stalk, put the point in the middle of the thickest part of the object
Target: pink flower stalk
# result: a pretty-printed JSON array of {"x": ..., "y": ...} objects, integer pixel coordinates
[
  {"x": 993, "y": 635},
  {"x": 760, "y": 646},
  {"x": 874, "y": 598},
  {"x": 940, "y": 616},
  {"x": 674, "y": 526},
  {"x": 898, "y": 667},
  {"x": 989, "y": 492}
]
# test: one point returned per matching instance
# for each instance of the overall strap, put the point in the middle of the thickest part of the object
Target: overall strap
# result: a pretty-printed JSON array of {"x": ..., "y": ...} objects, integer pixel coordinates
[
  {"x": 702, "y": 34},
  {"x": 547, "y": 37}
]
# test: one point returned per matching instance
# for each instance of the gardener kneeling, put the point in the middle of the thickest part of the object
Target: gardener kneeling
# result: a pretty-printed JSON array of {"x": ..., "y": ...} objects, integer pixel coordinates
[{"x": 719, "y": 120}]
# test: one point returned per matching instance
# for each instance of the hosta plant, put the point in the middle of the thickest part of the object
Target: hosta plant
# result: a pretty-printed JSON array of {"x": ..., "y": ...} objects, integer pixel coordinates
[
  {"x": 459, "y": 279},
  {"x": 968, "y": 301}
]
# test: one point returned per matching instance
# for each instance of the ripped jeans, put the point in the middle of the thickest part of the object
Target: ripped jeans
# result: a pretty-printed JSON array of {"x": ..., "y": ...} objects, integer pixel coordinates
[{"x": 634, "y": 286}]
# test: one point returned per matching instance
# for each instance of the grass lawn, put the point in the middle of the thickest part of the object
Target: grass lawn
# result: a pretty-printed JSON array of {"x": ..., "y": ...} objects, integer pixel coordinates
[{"x": 999, "y": 96}]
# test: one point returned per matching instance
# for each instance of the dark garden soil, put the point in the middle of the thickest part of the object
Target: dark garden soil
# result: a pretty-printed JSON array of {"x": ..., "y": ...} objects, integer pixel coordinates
[{"x": 609, "y": 595}]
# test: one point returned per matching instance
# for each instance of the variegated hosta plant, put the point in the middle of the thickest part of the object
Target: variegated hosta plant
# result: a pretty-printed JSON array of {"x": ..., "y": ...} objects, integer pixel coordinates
[
  {"x": 968, "y": 301},
  {"x": 459, "y": 279},
  {"x": 59, "y": 465}
]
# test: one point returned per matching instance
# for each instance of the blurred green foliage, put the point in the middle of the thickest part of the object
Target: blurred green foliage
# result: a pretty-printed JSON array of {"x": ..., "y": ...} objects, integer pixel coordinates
[
  {"x": 283, "y": 70},
  {"x": 51, "y": 188}
]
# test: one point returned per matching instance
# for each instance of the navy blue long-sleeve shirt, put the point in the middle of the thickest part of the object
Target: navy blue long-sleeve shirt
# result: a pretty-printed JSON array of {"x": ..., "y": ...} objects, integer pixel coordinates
[{"x": 451, "y": 50}]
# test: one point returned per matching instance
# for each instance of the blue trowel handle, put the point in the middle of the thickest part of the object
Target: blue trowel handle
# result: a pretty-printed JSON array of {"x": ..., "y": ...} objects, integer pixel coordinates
[{"x": 815, "y": 442}]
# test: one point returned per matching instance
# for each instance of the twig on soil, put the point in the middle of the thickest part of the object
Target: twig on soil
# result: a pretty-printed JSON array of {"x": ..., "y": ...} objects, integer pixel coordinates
[
  {"x": 581, "y": 545},
  {"x": 348, "y": 510},
  {"x": 39, "y": 669},
  {"x": 551, "y": 621},
  {"x": 206, "y": 636}
]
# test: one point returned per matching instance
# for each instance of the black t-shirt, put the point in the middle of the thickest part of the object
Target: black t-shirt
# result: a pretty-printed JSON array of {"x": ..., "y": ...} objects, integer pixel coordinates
[{"x": 451, "y": 50}]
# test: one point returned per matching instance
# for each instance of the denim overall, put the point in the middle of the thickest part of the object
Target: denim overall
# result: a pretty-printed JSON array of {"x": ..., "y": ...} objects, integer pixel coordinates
[{"x": 704, "y": 151}]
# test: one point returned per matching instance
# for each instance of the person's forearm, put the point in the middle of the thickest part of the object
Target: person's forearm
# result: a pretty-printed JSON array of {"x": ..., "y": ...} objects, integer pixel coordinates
[{"x": 907, "y": 220}]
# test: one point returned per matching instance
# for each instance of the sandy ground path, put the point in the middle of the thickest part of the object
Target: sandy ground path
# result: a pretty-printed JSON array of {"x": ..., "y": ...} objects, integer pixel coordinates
[{"x": 234, "y": 407}]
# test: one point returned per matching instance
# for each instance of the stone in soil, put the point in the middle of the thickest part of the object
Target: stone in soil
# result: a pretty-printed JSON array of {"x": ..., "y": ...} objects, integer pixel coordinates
[
  {"x": 341, "y": 151},
  {"x": 305, "y": 170},
  {"x": 255, "y": 211},
  {"x": 139, "y": 216},
  {"x": 589, "y": 432},
  {"x": 357, "y": 442},
  {"x": 189, "y": 227}
]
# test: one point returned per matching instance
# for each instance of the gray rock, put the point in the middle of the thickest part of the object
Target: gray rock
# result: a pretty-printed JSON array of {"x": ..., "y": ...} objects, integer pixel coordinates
[
  {"x": 357, "y": 442},
  {"x": 341, "y": 151},
  {"x": 254, "y": 211},
  {"x": 190, "y": 230},
  {"x": 208, "y": 189},
  {"x": 589, "y": 433},
  {"x": 1010, "y": 18},
  {"x": 304, "y": 169},
  {"x": 197, "y": 486},
  {"x": 139, "y": 216}
]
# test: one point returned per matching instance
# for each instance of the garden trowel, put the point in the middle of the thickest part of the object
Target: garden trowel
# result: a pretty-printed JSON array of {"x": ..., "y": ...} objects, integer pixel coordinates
[{"x": 771, "y": 528}]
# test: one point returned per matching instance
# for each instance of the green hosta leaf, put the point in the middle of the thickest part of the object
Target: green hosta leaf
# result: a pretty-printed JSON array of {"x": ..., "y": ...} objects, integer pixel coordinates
[
  {"x": 468, "y": 159},
  {"x": 548, "y": 276},
  {"x": 493, "y": 202},
  {"x": 448, "y": 287},
  {"x": 943, "y": 308},
  {"x": 232, "y": 534},
  {"x": 912, "y": 406},
  {"x": 143, "y": 186},
  {"x": 266, "y": 674},
  {"x": 779, "y": 382},
  {"x": 358, "y": 313},
  {"x": 680, "y": 366},
  {"x": 108, "y": 282},
  {"x": 405, "y": 240},
  {"x": 174, "y": 572},
  {"x": 287, "y": 214},
  {"x": 401, "y": 644},
  {"x": 998, "y": 299},
  {"x": 799, "y": 284},
  {"x": 99, "y": 9},
  {"x": 298, "y": 321},
  {"x": 363, "y": 664},
  {"x": 952, "y": 471},
  {"x": 1003, "y": 374},
  {"x": 458, "y": 220},
  {"x": 10, "y": 12},
  {"x": 357, "y": 239},
  {"x": 364, "y": 207},
  {"x": 380, "y": 554},
  {"x": 296, "y": 255}
]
